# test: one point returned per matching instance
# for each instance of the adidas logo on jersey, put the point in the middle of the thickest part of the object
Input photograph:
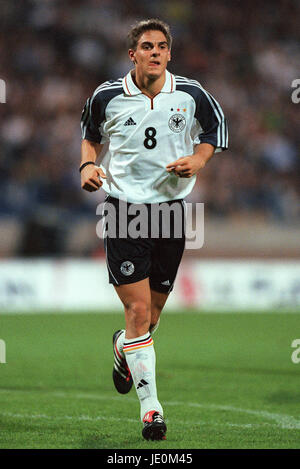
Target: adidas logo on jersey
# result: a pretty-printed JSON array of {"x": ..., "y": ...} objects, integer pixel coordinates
[
  {"x": 166, "y": 282},
  {"x": 130, "y": 121}
]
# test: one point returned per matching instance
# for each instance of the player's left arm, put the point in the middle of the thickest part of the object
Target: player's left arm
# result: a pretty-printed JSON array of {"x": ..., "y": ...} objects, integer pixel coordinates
[
  {"x": 187, "y": 166},
  {"x": 213, "y": 137}
]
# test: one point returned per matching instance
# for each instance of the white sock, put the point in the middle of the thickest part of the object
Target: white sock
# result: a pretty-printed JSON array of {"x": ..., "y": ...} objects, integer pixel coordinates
[{"x": 140, "y": 357}]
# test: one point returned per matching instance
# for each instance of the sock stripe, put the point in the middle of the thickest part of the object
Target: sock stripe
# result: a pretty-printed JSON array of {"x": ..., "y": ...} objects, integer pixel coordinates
[
  {"x": 129, "y": 342},
  {"x": 137, "y": 345},
  {"x": 136, "y": 348}
]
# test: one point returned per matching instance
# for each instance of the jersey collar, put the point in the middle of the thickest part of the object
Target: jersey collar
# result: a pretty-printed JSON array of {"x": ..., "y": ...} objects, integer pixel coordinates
[{"x": 131, "y": 89}]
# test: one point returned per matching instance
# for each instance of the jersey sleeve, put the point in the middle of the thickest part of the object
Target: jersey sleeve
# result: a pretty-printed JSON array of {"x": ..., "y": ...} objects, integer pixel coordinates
[
  {"x": 211, "y": 118},
  {"x": 92, "y": 119}
]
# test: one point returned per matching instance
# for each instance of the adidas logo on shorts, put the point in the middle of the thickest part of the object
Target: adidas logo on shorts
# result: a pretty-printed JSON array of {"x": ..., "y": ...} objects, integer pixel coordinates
[
  {"x": 166, "y": 282},
  {"x": 130, "y": 121}
]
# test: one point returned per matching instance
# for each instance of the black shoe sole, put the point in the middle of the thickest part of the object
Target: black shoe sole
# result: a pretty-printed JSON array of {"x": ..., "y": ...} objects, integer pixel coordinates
[
  {"x": 121, "y": 385},
  {"x": 155, "y": 431}
]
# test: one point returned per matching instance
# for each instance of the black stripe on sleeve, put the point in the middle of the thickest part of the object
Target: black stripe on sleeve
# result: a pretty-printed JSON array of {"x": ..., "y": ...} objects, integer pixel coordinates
[
  {"x": 208, "y": 113},
  {"x": 93, "y": 113}
]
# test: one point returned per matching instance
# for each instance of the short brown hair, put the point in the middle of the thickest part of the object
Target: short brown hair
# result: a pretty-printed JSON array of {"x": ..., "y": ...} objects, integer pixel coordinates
[{"x": 152, "y": 24}]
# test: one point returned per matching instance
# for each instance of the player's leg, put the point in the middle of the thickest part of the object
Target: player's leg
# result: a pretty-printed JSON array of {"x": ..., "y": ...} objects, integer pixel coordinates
[
  {"x": 136, "y": 299},
  {"x": 129, "y": 263},
  {"x": 138, "y": 345},
  {"x": 158, "y": 300}
]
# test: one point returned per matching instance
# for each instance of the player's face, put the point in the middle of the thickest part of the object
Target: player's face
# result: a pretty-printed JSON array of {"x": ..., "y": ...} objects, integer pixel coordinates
[{"x": 151, "y": 55}]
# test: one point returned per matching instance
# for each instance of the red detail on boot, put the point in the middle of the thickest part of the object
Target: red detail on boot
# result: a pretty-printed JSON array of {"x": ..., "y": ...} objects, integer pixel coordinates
[
  {"x": 129, "y": 373},
  {"x": 148, "y": 416}
]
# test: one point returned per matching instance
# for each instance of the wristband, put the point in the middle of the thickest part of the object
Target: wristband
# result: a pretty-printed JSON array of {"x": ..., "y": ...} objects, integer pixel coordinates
[{"x": 85, "y": 164}]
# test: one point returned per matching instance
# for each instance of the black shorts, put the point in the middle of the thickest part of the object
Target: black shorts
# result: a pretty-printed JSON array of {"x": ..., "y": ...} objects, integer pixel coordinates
[{"x": 144, "y": 240}]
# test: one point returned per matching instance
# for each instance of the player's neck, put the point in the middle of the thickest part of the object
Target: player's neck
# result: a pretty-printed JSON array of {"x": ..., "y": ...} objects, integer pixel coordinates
[{"x": 148, "y": 86}]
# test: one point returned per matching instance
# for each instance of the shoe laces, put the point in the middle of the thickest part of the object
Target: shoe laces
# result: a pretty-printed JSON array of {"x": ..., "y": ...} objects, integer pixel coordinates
[
  {"x": 153, "y": 416},
  {"x": 158, "y": 418}
]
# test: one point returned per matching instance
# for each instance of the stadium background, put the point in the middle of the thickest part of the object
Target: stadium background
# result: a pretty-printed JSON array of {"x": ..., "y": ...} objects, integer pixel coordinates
[{"x": 53, "y": 54}]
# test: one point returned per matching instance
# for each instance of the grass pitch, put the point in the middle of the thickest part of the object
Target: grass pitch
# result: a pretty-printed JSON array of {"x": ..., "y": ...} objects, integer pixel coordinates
[{"x": 224, "y": 380}]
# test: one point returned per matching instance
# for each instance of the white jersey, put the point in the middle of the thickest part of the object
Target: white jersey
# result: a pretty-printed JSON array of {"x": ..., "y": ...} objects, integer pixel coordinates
[{"x": 145, "y": 134}]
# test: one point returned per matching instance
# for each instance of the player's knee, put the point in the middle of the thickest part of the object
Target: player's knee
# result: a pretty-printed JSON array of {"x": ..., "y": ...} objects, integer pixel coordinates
[
  {"x": 139, "y": 315},
  {"x": 140, "y": 310}
]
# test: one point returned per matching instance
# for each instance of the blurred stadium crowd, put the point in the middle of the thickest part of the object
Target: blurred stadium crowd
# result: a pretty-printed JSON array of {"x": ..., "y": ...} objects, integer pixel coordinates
[{"x": 53, "y": 54}]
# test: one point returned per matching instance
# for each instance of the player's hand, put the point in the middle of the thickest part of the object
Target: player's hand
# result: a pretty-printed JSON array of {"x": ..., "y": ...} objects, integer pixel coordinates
[
  {"x": 186, "y": 166},
  {"x": 90, "y": 178}
]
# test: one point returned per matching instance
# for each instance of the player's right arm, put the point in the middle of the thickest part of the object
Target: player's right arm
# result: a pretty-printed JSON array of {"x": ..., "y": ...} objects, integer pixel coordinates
[
  {"x": 90, "y": 173},
  {"x": 92, "y": 143}
]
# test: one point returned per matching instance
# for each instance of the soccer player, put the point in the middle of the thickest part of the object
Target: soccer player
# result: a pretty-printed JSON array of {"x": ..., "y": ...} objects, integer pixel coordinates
[{"x": 159, "y": 131}]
